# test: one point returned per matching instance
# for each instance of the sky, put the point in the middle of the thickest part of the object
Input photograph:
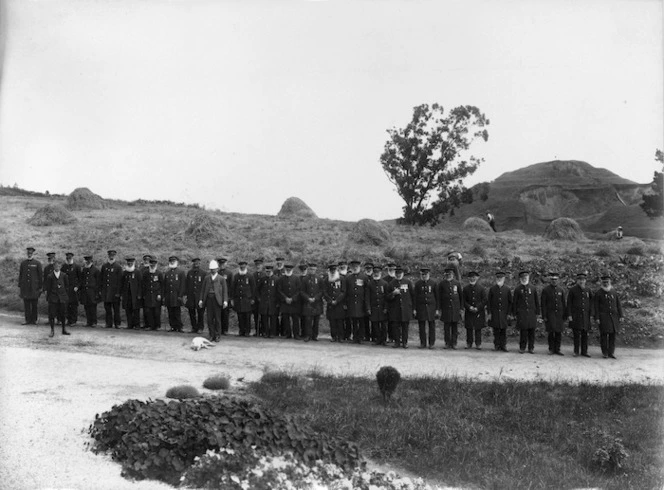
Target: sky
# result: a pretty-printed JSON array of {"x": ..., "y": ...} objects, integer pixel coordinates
[{"x": 238, "y": 105}]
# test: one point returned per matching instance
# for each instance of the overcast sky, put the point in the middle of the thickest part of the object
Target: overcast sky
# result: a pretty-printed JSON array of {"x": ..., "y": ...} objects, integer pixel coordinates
[{"x": 238, "y": 105}]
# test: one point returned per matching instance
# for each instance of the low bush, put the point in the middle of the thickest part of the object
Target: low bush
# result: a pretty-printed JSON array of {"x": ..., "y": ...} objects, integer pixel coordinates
[
  {"x": 182, "y": 392},
  {"x": 611, "y": 454},
  {"x": 637, "y": 250},
  {"x": 603, "y": 252},
  {"x": 388, "y": 379},
  {"x": 564, "y": 229},
  {"x": 218, "y": 382},
  {"x": 476, "y": 224}
]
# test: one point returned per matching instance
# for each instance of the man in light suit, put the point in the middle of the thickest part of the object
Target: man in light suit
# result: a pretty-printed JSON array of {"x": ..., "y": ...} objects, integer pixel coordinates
[{"x": 214, "y": 297}]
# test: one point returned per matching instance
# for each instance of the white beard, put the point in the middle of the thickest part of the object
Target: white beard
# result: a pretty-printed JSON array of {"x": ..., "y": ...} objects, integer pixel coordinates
[
  {"x": 500, "y": 282},
  {"x": 607, "y": 288},
  {"x": 173, "y": 265},
  {"x": 153, "y": 269},
  {"x": 288, "y": 273},
  {"x": 131, "y": 268},
  {"x": 214, "y": 275},
  {"x": 333, "y": 277},
  {"x": 242, "y": 273},
  {"x": 57, "y": 274}
]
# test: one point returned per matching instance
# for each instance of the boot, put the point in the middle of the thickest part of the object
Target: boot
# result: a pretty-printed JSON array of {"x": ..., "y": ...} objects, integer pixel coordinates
[
  {"x": 64, "y": 330},
  {"x": 52, "y": 332}
]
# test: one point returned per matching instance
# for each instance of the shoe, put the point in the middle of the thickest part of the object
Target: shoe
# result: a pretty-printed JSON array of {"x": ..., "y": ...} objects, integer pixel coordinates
[
  {"x": 431, "y": 347},
  {"x": 454, "y": 347},
  {"x": 26, "y": 323},
  {"x": 468, "y": 347},
  {"x": 558, "y": 353},
  {"x": 108, "y": 326},
  {"x": 605, "y": 356},
  {"x": 551, "y": 352},
  {"x": 396, "y": 346},
  {"x": 478, "y": 347},
  {"x": 576, "y": 354},
  {"x": 612, "y": 356},
  {"x": 314, "y": 340},
  {"x": 586, "y": 355},
  {"x": 52, "y": 333},
  {"x": 405, "y": 346},
  {"x": 446, "y": 347},
  {"x": 521, "y": 351},
  {"x": 118, "y": 326},
  {"x": 422, "y": 346},
  {"x": 504, "y": 349},
  {"x": 64, "y": 332},
  {"x": 531, "y": 351},
  {"x": 307, "y": 339}
]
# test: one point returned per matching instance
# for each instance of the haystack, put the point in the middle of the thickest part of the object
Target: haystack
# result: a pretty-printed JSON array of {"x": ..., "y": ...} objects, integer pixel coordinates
[
  {"x": 207, "y": 227},
  {"x": 476, "y": 224},
  {"x": 52, "y": 214},
  {"x": 370, "y": 232},
  {"x": 84, "y": 198},
  {"x": 294, "y": 207},
  {"x": 564, "y": 229}
]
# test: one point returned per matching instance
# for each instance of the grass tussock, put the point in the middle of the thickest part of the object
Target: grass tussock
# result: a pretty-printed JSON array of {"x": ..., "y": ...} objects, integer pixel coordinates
[
  {"x": 477, "y": 224},
  {"x": 217, "y": 382},
  {"x": 564, "y": 229},
  {"x": 521, "y": 434},
  {"x": 84, "y": 198},
  {"x": 182, "y": 392},
  {"x": 52, "y": 214}
]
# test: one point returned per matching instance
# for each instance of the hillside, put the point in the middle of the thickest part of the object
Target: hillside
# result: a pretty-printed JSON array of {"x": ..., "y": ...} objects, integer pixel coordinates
[{"x": 531, "y": 197}]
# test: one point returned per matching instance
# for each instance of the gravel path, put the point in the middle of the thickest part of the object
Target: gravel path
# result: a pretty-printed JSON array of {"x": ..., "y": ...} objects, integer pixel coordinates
[{"x": 51, "y": 389}]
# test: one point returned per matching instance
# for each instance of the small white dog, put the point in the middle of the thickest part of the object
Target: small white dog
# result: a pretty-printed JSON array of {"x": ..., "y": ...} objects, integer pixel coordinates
[{"x": 198, "y": 343}]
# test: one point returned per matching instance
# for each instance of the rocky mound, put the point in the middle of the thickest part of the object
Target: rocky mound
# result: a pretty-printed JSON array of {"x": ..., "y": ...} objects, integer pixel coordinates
[
  {"x": 370, "y": 232},
  {"x": 476, "y": 224},
  {"x": 564, "y": 229},
  {"x": 84, "y": 198},
  {"x": 51, "y": 214},
  {"x": 294, "y": 207}
]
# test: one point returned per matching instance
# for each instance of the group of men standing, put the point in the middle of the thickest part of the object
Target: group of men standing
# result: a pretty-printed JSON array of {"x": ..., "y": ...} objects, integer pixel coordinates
[{"x": 362, "y": 303}]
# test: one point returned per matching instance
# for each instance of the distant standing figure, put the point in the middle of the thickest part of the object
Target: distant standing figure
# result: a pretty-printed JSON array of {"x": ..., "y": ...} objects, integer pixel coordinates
[
  {"x": 526, "y": 310},
  {"x": 474, "y": 301},
  {"x": 55, "y": 287},
  {"x": 258, "y": 274},
  {"x": 267, "y": 297},
  {"x": 30, "y": 282},
  {"x": 499, "y": 306},
  {"x": 288, "y": 292},
  {"x": 450, "y": 301},
  {"x": 425, "y": 307},
  {"x": 312, "y": 302},
  {"x": 454, "y": 261},
  {"x": 335, "y": 294},
  {"x": 619, "y": 233},
  {"x": 401, "y": 306},
  {"x": 194, "y": 283},
  {"x": 132, "y": 290},
  {"x": 243, "y": 297},
  {"x": 110, "y": 285},
  {"x": 579, "y": 308},
  {"x": 378, "y": 306},
  {"x": 175, "y": 282},
  {"x": 554, "y": 308},
  {"x": 608, "y": 312},
  {"x": 73, "y": 271},
  {"x": 153, "y": 284},
  {"x": 89, "y": 290},
  {"x": 214, "y": 298},
  {"x": 491, "y": 220}
]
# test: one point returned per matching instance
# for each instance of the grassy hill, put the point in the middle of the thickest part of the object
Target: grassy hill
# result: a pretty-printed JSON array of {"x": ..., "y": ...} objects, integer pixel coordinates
[{"x": 163, "y": 229}]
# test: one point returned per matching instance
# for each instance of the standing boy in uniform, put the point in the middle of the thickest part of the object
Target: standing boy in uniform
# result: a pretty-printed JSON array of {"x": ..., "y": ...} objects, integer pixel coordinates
[{"x": 474, "y": 304}]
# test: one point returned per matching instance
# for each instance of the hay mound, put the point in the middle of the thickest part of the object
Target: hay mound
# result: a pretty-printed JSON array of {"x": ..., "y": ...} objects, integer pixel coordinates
[
  {"x": 84, "y": 198},
  {"x": 476, "y": 224},
  {"x": 52, "y": 214},
  {"x": 369, "y": 231},
  {"x": 294, "y": 207},
  {"x": 206, "y": 227},
  {"x": 564, "y": 229}
]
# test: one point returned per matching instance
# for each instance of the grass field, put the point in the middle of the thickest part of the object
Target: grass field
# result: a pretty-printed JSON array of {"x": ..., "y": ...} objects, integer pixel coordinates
[{"x": 498, "y": 435}]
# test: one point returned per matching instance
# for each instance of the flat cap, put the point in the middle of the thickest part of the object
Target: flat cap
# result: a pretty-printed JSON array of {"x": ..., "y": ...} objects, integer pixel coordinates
[
  {"x": 30, "y": 249},
  {"x": 173, "y": 258},
  {"x": 111, "y": 253},
  {"x": 473, "y": 274}
]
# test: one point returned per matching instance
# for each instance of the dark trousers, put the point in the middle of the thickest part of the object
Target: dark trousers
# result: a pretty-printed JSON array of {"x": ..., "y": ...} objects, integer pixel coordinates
[
  {"x": 90, "y": 314},
  {"x": 257, "y": 321},
  {"x": 287, "y": 322},
  {"x": 72, "y": 313},
  {"x": 244, "y": 323},
  {"x": 608, "y": 343},
  {"x": 580, "y": 340},
  {"x": 133, "y": 314},
  {"x": 112, "y": 313},
  {"x": 196, "y": 318},
  {"x": 152, "y": 317},
  {"x": 492, "y": 224},
  {"x": 145, "y": 317},
  {"x": 348, "y": 328},
  {"x": 337, "y": 329},
  {"x": 423, "y": 332},
  {"x": 368, "y": 334},
  {"x": 555, "y": 339},
  {"x": 175, "y": 318},
  {"x": 56, "y": 311},
  {"x": 500, "y": 338},
  {"x": 298, "y": 326},
  {"x": 450, "y": 333},
  {"x": 30, "y": 307},
  {"x": 225, "y": 320},
  {"x": 527, "y": 336},
  {"x": 358, "y": 329},
  {"x": 269, "y": 325},
  {"x": 311, "y": 326},
  {"x": 474, "y": 335},
  {"x": 214, "y": 316},
  {"x": 379, "y": 332},
  {"x": 400, "y": 332}
]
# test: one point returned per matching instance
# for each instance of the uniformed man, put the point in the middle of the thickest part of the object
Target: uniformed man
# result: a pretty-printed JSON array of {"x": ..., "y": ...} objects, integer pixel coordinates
[
  {"x": 491, "y": 220},
  {"x": 153, "y": 286},
  {"x": 426, "y": 307},
  {"x": 450, "y": 301},
  {"x": 55, "y": 287},
  {"x": 258, "y": 274},
  {"x": 579, "y": 310},
  {"x": 342, "y": 267},
  {"x": 267, "y": 303},
  {"x": 391, "y": 276},
  {"x": 554, "y": 309},
  {"x": 30, "y": 283},
  {"x": 278, "y": 272},
  {"x": 499, "y": 306},
  {"x": 311, "y": 292},
  {"x": 132, "y": 293},
  {"x": 144, "y": 267},
  {"x": 213, "y": 298},
  {"x": 526, "y": 310},
  {"x": 401, "y": 303},
  {"x": 334, "y": 294},
  {"x": 357, "y": 300},
  {"x": 225, "y": 273},
  {"x": 474, "y": 304},
  {"x": 89, "y": 290},
  {"x": 110, "y": 279},
  {"x": 193, "y": 285},
  {"x": 298, "y": 319},
  {"x": 368, "y": 333},
  {"x": 243, "y": 298},
  {"x": 288, "y": 291},
  {"x": 50, "y": 260},
  {"x": 378, "y": 306},
  {"x": 279, "y": 267},
  {"x": 454, "y": 261},
  {"x": 608, "y": 313},
  {"x": 73, "y": 272},
  {"x": 175, "y": 283}
]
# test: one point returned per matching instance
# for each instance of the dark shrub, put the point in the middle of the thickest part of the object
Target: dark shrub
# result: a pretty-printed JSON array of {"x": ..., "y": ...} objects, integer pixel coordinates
[
  {"x": 388, "y": 378},
  {"x": 218, "y": 382},
  {"x": 182, "y": 391}
]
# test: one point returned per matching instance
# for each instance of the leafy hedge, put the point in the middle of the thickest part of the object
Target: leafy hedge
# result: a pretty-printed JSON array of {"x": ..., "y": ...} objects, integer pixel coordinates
[{"x": 159, "y": 439}]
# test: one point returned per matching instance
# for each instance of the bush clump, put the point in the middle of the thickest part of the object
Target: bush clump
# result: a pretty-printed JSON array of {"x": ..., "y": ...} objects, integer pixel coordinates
[
  {"x": 294, "y": 207},
  {"x": 564, "y": 229},
  {"x": 476, "y": 224},
  {"x": 182, "y": 392},
  {"x": 205, "y": 227},
  {"x": 370, "y": 232},
  {"x": 161, "y": 439},
  {"x": 84, "y": 198},
  {"x": 388, "y": 378},
  {"x": 218, "y": 382},
  {"x": 52, "y": 214}
]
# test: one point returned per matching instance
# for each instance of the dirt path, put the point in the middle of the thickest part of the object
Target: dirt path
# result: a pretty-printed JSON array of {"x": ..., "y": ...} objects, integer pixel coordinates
[{"x": 50, "y": 389}]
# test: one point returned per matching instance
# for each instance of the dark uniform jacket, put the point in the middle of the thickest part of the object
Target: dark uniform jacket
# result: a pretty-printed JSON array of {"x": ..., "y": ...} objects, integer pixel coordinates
[
  {"x": 450, "y": 300},
  {"x": 218, "y": 285},
  {"x": 48, "y": 268},
  {"x": 357, "y": 295},
  {"x": 228, "y": 275},
  {"x": 288, "y": 287},
  {"x": 56, "y": 288},
  {"x": 73, "y": 272},
  {"x": 579, "y": 307},
  {"x": 153, "y": 286},
  {"x": 526, "y": 306},
  {"x": 193, "y": 285},
  {"x": 30, "y": 279},
  {"x": 378, "y": 300},
  {"x": 243, "y": 292},
  {"x": 400, "y": 305},
  {"x": 110, "y": 282},
  {"x": 334, "y": 294},
  {"x": 132, "y": 288},
  {"x": 89, "y": 290},
  {"x": 267, "y": 295},
  {"x": 499, "y": 304},
  {"x": 554, "y": 308},
  {"x": 474, "y": 295},
  {"x": 175, "y": 282},
  {"x": 257, "y": 275},
  {"x": 608, "y": 310},
  {"x": 311, "y": 287},
  {"x": 426, "y": 300}
]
